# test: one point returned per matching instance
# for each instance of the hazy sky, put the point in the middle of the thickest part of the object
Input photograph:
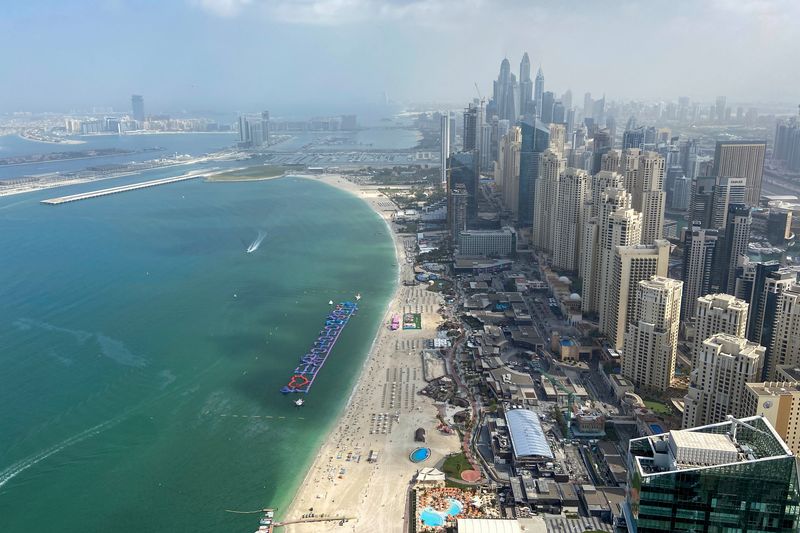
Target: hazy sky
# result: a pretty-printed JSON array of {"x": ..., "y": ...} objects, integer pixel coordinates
[{"x": 283, "y": 54}]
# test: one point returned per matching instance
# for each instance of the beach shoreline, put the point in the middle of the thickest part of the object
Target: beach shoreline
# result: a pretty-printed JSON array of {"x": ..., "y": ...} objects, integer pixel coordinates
[{"x": 336, "y": 486}]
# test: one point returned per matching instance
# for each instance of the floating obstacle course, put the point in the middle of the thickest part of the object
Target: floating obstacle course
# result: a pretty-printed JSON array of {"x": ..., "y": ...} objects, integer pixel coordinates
[{"x": 312, "y": 362}]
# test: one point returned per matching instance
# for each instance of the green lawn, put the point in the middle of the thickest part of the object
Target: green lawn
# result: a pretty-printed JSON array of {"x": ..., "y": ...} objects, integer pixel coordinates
[
  {"x": 455, "y": 464},
  {"x": 658, "y": 407},
  {"x": 252, "y": 173}
]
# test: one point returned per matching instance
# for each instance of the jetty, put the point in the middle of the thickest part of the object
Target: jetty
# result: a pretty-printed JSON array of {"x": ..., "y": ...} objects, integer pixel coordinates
[
  {"x": 311, "y": 363},
  {"x": 115, "y": 190}
]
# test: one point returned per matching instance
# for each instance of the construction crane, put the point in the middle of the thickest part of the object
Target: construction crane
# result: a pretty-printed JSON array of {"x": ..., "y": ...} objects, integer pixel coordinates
[
  {"x": 570, "y": 397},
  {"x": 480, "y": 96}
]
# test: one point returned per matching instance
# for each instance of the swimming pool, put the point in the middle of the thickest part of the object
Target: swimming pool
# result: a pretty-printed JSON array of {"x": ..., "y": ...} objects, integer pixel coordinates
[
  {"x": 432, "y": 518},
  {"x": 419, "y": 455}
]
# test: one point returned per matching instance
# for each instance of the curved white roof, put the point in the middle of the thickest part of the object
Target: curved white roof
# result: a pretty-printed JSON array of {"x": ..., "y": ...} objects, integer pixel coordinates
[{"x": 527, "y": 435}]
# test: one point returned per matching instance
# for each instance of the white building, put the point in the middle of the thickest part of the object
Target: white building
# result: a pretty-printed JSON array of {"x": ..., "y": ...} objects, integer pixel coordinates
[
  {"x": 651, "y": 340},
  {"x": 718, "y": 313},
  {"x": 569, "y": 212},
  {"x": 717, "y": 389},
  {"x": 445, "y": 145},
  {"x": 487, "y": 243}
]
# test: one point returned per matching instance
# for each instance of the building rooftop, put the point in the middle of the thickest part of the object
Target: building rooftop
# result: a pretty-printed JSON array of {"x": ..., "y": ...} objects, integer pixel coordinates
[
  {"x": 730, "y": 442},
  {"x": 789, "y": 372},
  {"x": 775, "y": 388},
  {"x": 527, "y": 435},
  {"x": 486, "y": 525}
]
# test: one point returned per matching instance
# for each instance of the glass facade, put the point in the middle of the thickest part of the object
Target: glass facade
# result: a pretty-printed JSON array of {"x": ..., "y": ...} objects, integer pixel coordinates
[
  {"x": 535, "y": 140},
  {"x": 758, "y": 494}
]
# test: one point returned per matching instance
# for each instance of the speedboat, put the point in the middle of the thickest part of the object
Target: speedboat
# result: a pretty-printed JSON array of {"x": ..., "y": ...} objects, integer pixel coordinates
[{"x": 299, "y": 402}]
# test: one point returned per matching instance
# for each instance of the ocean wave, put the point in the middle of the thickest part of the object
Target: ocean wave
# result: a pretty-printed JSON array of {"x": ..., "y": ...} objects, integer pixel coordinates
[{"x": 10, "y": 472}]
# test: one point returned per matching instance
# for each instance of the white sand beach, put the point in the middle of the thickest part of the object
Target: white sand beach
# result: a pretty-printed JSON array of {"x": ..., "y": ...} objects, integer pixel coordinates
[{"x": 381, "y": 417}]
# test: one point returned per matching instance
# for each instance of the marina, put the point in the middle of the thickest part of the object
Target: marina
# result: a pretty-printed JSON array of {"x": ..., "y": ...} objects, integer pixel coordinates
[
  {"x": 114, "y": 190},
  {"x": 311, "y": 363}
]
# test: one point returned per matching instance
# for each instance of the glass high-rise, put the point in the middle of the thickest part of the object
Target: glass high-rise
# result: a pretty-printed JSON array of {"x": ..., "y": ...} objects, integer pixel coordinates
[
  {"x": 737, "y": 476},
  {"x": 535, "y": 140}
]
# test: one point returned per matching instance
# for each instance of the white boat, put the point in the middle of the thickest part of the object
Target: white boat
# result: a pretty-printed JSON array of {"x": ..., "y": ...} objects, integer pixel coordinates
[
  {"x": 299, "y": 402},
  {"x": 256, "y": 243},
  {"x": 330, "y": 302},
  {"x": 358, "y": 296}
]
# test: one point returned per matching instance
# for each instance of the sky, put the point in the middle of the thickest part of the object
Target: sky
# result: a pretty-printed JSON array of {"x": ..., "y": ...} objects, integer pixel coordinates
[{"x": 246, "y": 55}]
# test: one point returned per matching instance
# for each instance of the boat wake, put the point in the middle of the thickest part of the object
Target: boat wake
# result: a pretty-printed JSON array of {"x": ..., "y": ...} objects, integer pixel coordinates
[
  {"x": 256, "y": 243},
  {"x": 19, "y": 467}
]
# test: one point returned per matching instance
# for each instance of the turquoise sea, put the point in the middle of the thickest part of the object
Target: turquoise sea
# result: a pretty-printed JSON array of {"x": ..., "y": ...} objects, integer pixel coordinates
[{"x": 142, "y": 350}]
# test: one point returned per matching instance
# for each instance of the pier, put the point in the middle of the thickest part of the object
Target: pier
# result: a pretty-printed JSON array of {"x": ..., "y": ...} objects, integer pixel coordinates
[{"x": 114, "y": 190}]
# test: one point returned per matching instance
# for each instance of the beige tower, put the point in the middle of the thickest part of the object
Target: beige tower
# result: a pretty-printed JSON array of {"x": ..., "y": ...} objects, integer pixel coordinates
[
  {"x": 610, "y": 160},
  {"x": 552, "y": 164},
  {"x": 651, "y": 339},
  {"x": 599, "y": 241},
  {"x": 509, "y": 168},
  {"x": 742, "y": 159},
  {"x": 568, "y": 215},
  {"x": 725, "y": 364},
  {"x": 631, "y": 264},
  {"x": 628, "y": 166},
  {"x": 558, "y": 138},
  {"x": 778, "y": 402},
  {"x": 650, "y": 195},
  {"x": 718, "y": 313}
]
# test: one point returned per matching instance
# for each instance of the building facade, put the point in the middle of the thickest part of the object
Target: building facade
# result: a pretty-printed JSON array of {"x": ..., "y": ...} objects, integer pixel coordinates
[{"x": 651, "y": 339}]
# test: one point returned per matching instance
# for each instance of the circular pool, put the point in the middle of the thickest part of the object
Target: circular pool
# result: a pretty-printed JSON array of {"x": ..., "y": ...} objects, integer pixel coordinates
[{"x": 419, "y": 455}]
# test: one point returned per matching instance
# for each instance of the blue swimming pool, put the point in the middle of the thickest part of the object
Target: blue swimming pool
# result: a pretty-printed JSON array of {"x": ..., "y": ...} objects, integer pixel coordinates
[
  {"x": 656, "y": 429},
  {"x": 432, "y": 518},
  {"x": 419, "y": 455}
]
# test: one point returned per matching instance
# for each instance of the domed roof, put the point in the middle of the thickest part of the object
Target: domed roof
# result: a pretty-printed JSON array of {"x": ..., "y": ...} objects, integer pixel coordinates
[
  {"x": 564, "y": 279},
  {"x": 575, "y": 297}
]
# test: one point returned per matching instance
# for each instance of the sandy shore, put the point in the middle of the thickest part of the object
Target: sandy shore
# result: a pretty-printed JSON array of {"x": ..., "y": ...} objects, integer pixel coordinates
[{"x": 381, "y": 416}]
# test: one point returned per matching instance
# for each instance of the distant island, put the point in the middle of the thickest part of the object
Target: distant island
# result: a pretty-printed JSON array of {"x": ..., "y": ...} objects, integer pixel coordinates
[{"x": 77, "y": 154}]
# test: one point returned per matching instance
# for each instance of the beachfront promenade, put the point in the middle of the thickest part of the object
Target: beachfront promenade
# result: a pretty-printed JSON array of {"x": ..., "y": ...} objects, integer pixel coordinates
[{"x": 114, "y": 190}]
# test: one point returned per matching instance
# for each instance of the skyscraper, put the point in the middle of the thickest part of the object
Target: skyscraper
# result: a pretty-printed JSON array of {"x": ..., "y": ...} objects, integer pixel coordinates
[
  {"x": 717, "y": 313},
  {"x": 457, "y": 210},
  {"x": 742, "y": 159},
  {"x": 734, "y": 246},
  {"x": 702, "y": 201},
  {"x": 506, "y": 93},
  {"x": 444, "y": 139},
  {"x": 569, "y": 216},
  {"x": 463, "y": 169},
  {"x": 607, "y": 196},
  {"x": 784, "y": 342},
  {"x": 472, "y": 127},
  {"x": 717, "y": 389},
  {"x": 601, "y": 144},
  {"x": 630, "y": 265},
  {"x": 787, "y": 143},
  {"x": 551, "y": 165},
  {"x": 548, "y": 101},
  {"x": 137, "y": 105},
  {"x": 525, "y": 88},
  {"x": 651, "y": 339},
  {"x": 538, "y": 92},
  {"x": 649, "y": 196},
  {"x": 699, "y": 246},
  {"x": 737, "y": 475},
  {"x": 726, "y": 191},
  {"x": 633, "y": 138},
  {"x": 720, "y": 108},
  {"x": 508, "y": 168},
  {"x": 535, "y": 140}
]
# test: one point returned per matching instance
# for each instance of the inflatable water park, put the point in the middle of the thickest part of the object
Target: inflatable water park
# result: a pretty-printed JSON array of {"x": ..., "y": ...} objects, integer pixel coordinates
[{"x": 312, "y": 362}]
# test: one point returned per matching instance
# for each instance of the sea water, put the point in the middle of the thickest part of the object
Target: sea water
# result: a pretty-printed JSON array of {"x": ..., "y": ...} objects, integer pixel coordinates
[{"x": 142, "y": 350}]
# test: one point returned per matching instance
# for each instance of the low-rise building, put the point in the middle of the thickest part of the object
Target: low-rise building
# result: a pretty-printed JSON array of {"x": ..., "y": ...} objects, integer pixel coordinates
[
  {"x": 528, "y": 441},
  {"x": 487, "y": 243}
]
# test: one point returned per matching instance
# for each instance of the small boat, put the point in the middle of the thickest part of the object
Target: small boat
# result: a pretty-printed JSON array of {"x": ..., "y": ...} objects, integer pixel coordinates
[
  {"x": 358, "y": 296},
  {"x": 299, "y": 402},
  {"x": 330, "y": 302}
]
